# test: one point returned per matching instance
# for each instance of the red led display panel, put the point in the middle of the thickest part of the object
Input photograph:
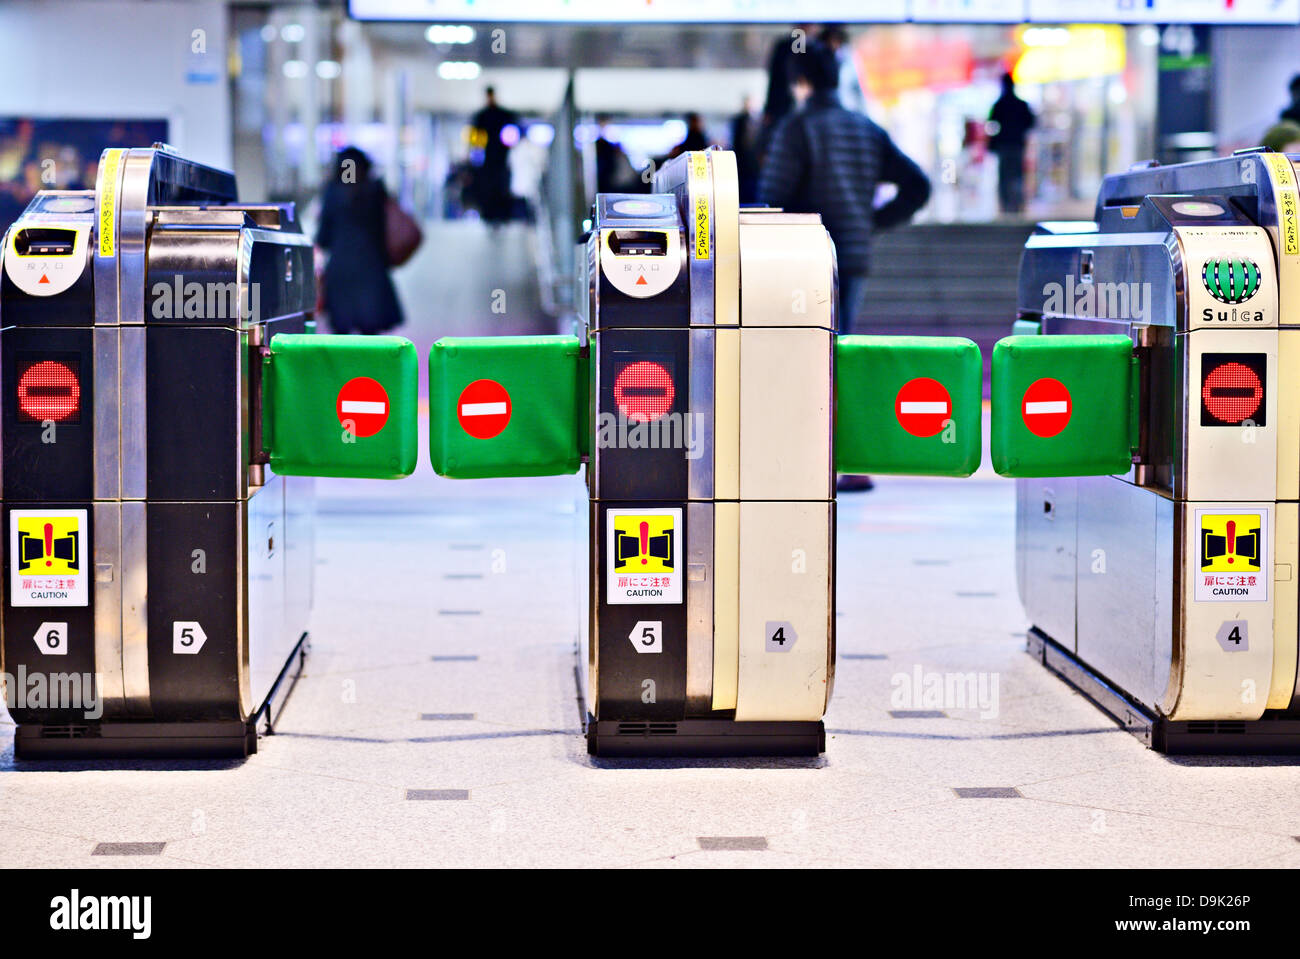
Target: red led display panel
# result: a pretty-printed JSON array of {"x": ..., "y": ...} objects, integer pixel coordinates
[
  {"x": 49, "y": 390},
  {"x": 644, "y": 391},
  {"x": 1232, "y": 388}
]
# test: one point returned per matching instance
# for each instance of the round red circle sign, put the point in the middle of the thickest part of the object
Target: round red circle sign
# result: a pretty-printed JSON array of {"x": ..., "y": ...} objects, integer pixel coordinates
[
  {"x": 48, "y": 390},
  {"x": 923, "y": 406},
  {"x": 362, "y": 406},
  {"x": 483, "y": 409},
  {"x": 1046, "y": 407},
  {"x": 1232, "y": 392},
  {"x": 644, "y": 391}
]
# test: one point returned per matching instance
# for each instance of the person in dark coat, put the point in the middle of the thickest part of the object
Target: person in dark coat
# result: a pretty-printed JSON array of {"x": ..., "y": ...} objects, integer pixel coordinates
[
  {"x": 1011, "y": 120},
  {"x": 495, "y": 201},
  {"x": 827, "y": 159},
  {"x": 359, "y": 293}
]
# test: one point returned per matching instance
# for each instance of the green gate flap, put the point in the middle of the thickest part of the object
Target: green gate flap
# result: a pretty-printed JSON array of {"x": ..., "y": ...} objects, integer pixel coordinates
[
  {"x": 341, "y": 405},
  {"x": 907, "y": 404},
  {"x": 1064, "y": 405},
  {"x": 507, "y": 406}
]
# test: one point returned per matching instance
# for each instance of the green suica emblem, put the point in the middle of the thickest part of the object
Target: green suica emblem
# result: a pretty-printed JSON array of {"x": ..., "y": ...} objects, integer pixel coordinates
[{"x": 1230, "y": 279}]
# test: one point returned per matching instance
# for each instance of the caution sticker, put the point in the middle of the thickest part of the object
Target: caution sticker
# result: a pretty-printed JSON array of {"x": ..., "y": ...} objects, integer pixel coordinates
[
  {"x": 644, "y": 550},
  {"x": 106, "y": 213},
  {"x": 49, "y": 562},
  {"x": 700, "y": 194},
  {"x": 1284, "y": 188},
  {"x": 1233, "y": 555}
]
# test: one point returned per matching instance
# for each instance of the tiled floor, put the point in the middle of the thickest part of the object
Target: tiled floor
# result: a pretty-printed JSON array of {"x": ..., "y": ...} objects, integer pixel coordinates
[{"x": 418, "y": 737}]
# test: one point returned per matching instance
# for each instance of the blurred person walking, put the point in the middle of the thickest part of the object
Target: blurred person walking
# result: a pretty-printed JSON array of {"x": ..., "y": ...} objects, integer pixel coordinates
[
  {"x": 1010, "y": 120},
  {"x": 498, "y": 130},
  {"x": 781, "y": 74},
  {"x": 1292, "y": 112},
  {"x": 354, "y": 230},
  {"x": 744, "y": 143},
  {"x": 852, "y": 97},
  {"x": 614, "y": 171},
  {"x": 695, "y": 139},
  {"x": 829, "y": 160}
]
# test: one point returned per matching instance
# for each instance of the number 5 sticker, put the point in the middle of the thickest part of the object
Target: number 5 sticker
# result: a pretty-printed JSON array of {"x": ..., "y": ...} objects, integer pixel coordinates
[
  {"x": 648, "y": 636},
  {"x": 187, "y": 638}
]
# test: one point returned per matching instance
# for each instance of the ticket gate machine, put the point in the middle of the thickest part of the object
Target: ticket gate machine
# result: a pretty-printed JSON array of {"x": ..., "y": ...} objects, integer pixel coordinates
[
  {"x": 1159, "y": 359},
  {"x": 711, "y": 415},
  {"x": 163, "y": 394},
  {"x": 158, "y": 546}
]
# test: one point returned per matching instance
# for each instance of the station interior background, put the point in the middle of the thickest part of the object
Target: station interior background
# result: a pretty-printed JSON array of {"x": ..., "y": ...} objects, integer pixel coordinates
[{"x": 273, "y": 90}]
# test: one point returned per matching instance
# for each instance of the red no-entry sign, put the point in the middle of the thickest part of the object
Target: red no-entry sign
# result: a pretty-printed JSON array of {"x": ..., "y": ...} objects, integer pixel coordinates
[
  {"x": 923, "y": 406},
  {"x": 483, "y": 409},
  {"x": 362, "y": 406},
  {"x": 644, "y": 391},
  {"x": 1232, "y": 392},
  {"x": 1046, "y": 407}
]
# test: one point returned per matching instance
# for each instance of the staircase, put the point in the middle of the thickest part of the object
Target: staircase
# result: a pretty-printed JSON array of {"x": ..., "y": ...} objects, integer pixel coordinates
[{"x": 954, "y": 279}]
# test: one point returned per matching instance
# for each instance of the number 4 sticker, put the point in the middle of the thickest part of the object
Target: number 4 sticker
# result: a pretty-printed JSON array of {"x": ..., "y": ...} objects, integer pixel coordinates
[
  {"x": 780, "y": 636},
  {"x": 1234, "y": 635}
]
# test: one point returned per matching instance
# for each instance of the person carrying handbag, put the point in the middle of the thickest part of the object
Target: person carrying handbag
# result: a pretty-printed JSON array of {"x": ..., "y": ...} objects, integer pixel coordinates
[{"x": 365, "y": 233}]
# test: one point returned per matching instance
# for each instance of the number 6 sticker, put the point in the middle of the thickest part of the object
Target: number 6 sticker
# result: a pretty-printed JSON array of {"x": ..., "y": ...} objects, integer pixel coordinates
[{"x": 52, "y": 639}]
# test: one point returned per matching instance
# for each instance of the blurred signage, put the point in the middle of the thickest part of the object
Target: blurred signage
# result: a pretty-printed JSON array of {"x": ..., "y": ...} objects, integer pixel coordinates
[
  {"x": 1165, "y": 11},
  {"x": 634, "y": 11},
  {"x": 1076, "y": 52},
  {"x": 916, "y": 60},
  {"x": 825, "y": 11},
  {"x": 968, "y": 11}
]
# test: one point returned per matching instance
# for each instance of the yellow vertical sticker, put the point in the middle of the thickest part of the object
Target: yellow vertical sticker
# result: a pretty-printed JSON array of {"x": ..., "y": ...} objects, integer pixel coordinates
[
  {"x": 106, "y": 214},
  {"x": 700, "y": 191},
  {"x": 1288, "y": 202}
]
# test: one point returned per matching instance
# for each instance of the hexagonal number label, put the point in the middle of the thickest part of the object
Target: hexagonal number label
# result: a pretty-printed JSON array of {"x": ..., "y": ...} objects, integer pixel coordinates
[
  {"x": 52, "y": 639},
  {"x": 1234, "y": 636},
  {"x": 187, "y": 638},
  {"x": 648, "y": 636},
  {"x": 780, "y": 636}
]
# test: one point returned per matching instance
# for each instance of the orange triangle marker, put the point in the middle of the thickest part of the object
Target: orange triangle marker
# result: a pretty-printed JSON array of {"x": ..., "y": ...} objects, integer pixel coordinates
[
  {"x": 640, "y": 281},
  {"x": 44, "y": 279}
]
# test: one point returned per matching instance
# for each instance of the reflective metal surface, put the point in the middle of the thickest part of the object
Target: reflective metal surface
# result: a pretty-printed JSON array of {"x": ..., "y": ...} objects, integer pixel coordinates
[
  {"x": 107, "y": 586},
  {"x": 134, "y": 582},
  {"x": 699, "y": 609}
]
